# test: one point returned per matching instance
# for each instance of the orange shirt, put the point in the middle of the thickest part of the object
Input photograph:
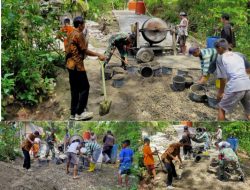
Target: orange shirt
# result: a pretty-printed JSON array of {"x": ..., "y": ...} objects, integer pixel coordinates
[
  {"x": 26, "y": 145},
  {"x": 76, "y": 48},
  {"x": 148, "y": 155},
  {"x": 67, "y": 30}
]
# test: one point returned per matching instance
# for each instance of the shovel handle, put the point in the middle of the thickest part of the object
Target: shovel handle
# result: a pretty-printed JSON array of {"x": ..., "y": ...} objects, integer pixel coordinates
[{"x": 103, "y": 81}]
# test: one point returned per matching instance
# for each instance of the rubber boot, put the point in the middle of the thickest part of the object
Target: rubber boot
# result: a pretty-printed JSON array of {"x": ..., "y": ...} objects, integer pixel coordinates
[{"x": 91, "y": 167}]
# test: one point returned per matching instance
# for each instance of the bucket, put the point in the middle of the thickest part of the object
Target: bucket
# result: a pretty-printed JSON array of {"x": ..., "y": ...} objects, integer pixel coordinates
[
  {"x": 108, "y": 73},
  {"x": 118, "y": 70},
  {"x": 166, "y": 70},
  {"x": 132, "y": 69},
  {"x": 118, "y": 81},
  {"x": 140, "y": 8},
  {"x": 197, "y": 158},
  {"x": 157, "y": 71},
  {"x": 182, "y": 72},
  {"x": 211, "y": 40},
  {"x": 198, "y": 93},
  {"x": 131, "y": 5},
  {"x": 189, "y": 81},
  {"x": 179, "y": 83},
  {"x": 146, "y": 70},
  {"x": 212, "y": 100}
]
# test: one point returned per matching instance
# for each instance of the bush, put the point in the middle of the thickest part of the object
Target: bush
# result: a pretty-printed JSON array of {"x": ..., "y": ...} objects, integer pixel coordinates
[
  {"x": 9, "y": 143},
  {"x": 27, "y": 38}
]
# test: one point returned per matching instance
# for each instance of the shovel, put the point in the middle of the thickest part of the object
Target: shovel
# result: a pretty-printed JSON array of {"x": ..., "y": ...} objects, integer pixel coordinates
[{"x": 105, "y": 104}]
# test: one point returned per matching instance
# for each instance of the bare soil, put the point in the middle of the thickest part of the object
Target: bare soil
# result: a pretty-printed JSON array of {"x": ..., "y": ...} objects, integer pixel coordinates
[{"x": 53, "y": 177}]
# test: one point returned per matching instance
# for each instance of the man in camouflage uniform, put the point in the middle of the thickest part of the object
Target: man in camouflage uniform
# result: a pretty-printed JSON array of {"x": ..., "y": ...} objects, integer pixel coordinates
[
  {"x": 122, "y": 42},
  {"x": 227, "y": 157}
]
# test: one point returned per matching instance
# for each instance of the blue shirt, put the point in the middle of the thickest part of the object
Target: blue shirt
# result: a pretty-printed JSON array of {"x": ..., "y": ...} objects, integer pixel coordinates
[{"x": 126, "y": 158}]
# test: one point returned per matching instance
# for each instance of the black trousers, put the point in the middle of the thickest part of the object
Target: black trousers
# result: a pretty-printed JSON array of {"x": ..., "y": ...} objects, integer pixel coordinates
[
  {"x": 187, "y": 149},
  {"x": 171, "y": 172},
  {"x": 26, "y": 163},
  {"x": 79, "y": 87},
  {"x": 107, "y": 150}
]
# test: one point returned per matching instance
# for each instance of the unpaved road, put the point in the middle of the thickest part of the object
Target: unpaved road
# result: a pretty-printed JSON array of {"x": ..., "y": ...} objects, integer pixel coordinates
[
  {"x": 195, "y": 176},
  {"x": 53, "y": 177},
  {"x": 139, "y": 99}
]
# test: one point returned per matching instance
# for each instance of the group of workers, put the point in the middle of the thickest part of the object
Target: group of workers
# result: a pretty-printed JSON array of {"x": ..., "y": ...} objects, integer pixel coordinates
[
  {"x": 227, "y": 154},
  {"x": 89, "y": 150},
  {"x": 230, "y": 68}
]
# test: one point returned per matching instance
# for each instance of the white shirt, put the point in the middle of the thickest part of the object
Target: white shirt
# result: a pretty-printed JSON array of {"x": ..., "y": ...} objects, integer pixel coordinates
[
  {"x": 183, "y": 28},
  {"x": 231, "y": 66},
  {"x": 37, "y": 140},
  {"x": 224, "y": 144},
  {"x": 219, "y": 134},
  {"x": 73, "y": 147}
]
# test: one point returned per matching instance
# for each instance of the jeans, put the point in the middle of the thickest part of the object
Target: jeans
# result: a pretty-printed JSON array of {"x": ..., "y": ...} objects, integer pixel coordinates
[
  {"x": 79, "y": 87},
  {"x": 26, "y": 163},
  {"x": 171, "y": 172}
]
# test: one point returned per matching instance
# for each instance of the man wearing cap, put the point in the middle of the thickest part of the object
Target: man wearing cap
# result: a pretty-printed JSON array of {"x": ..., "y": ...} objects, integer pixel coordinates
[
  {"x": 122, "y": 42},
  {"x": 72, "y": 152},
  {"x": 227, "y": 157},
  {"x": 218, "y": 134},
  {"x": 183, "y": 32},
  {"x": 26, "y": 146},
  {"x": 208, "y": 57},
  {"x": 234, "y": 81}
]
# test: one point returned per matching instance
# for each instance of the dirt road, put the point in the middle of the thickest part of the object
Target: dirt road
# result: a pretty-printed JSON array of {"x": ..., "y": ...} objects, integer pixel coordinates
[
  {"x": 139, "y": 99},
  {"x": 194, "y": 176},
  {"x": 53, "y": 177}
]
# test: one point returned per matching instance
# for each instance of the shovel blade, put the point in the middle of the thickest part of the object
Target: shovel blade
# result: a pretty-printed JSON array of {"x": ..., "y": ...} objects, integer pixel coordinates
[{"x": 104, "y": 107}]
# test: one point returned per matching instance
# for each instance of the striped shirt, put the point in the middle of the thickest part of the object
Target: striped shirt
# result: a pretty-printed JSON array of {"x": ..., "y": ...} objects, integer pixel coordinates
[
  {"x": 91, "y": 147},
  {"x": 208, "y": 58}
]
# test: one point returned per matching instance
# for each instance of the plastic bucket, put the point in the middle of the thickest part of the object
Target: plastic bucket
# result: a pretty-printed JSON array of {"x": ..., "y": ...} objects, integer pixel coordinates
[
  {"x": 212, "y": 101},
  {"x": 140, "y": 8},
  {"x": 211, "y": 40},
  {"x": 166, "y": 70},
  {"x": 118, "y": 81},
  {"x": 198, "y": 93},
  {"x": 157, "y": 71},
  {"x": 179, "y": 83},
  {"x": 132, "y": 69},
  {"x": 189, "y": 81},
  {"x": 131, "y": 5},
  {"x": 146, "y": 71}
]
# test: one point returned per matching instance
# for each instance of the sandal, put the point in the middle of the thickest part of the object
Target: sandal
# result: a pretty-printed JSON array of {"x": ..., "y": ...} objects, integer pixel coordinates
[{"x": 76, "y": 177}]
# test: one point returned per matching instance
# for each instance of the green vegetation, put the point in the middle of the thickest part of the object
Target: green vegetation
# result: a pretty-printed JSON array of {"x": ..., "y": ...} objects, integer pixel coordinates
[
  {"x": 204, "y": 17},
  {"x": 9, "y": 141},
  {"x": 28, "y": 41},
  {"x": 240, "y": 129}
]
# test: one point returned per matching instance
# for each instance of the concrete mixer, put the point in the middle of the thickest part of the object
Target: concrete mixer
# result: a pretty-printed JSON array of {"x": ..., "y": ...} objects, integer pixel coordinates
[{"x": 154, "y": 31}]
